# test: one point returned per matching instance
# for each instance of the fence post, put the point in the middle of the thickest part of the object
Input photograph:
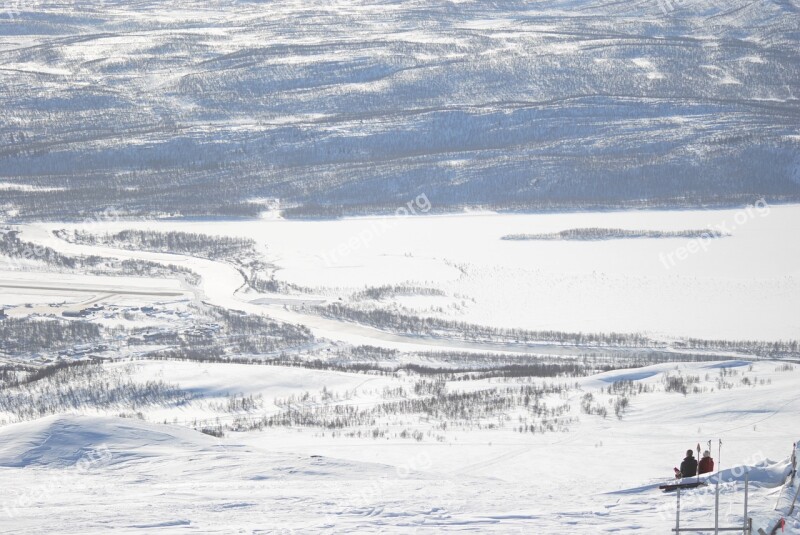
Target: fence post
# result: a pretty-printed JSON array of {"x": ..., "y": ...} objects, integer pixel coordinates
[
  {"x": 746, "y": 491},
  {"x": 678, "y": 513}
]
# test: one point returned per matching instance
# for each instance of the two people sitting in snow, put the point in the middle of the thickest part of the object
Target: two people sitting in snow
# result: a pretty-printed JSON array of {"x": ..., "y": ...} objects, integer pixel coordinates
[{"x": 690, "y": 467}]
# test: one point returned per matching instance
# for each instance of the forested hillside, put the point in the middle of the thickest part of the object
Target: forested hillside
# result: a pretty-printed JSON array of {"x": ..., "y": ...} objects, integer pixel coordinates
[{"x": 229, "y": 106}]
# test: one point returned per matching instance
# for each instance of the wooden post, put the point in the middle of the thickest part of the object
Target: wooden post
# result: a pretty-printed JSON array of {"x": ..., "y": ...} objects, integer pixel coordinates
[{"x": 678, "y": 513}]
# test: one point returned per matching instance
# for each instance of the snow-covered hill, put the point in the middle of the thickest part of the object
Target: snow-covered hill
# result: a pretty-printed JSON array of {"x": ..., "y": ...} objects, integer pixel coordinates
[
  {"x": 165, "y": 367},
  {"x": 92, "y": 474},
  {"x": 217, "y": 107}
]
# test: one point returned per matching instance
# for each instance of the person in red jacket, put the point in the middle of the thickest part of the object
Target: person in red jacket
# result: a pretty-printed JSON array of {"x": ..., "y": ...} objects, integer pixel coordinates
[{"x": 706, "y": 463}]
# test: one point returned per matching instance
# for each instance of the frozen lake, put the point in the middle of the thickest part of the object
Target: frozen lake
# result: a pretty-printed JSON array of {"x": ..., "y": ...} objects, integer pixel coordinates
[{"x": 743, "y": 286}]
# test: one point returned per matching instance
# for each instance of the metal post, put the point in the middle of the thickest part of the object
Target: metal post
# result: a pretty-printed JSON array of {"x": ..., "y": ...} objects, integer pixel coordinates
[
  {"x": 716, "y": 494},
  {"x": 698, "y": 463},
  {"x": 746, "y": 491},
  {"x": 678, "y": 513}
]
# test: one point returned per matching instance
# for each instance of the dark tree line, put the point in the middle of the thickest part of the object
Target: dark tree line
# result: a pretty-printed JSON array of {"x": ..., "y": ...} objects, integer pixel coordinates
[
  {"x": 427, "y": 326},
  {"x": 781, "y": 348},
  {"x": 193, "y": 244},
  {"x": 419, "y": 325},
  {"x": 382, "y": 292},
  {"x": 597, "y": 234}
]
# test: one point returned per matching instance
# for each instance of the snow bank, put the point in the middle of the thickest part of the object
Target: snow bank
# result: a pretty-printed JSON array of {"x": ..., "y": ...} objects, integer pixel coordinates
[
  {"x": 765, "y": 474},
  {"x": 62, "y": 441},
  {"x": 787, "y": 509}
]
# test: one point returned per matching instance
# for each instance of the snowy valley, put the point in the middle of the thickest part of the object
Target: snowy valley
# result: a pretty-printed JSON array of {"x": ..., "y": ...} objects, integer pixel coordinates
[{"x": 399, "y": 267}]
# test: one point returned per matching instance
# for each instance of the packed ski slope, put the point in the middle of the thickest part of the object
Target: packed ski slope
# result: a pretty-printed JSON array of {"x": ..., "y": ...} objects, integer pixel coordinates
[
  {"x": 97, "y": 473},
  {"x": 220, "y": 107}
]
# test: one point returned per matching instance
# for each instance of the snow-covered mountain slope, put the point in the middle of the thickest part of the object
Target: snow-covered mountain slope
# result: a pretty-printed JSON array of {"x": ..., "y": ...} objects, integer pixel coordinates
[
  {"x": 601, "y": 476},
  {"x": 214, "y": 107}
]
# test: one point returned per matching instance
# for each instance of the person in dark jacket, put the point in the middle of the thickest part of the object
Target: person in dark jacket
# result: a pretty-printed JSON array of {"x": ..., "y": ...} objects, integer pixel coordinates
[
  {"x": 689, "y": 465},
  {"x": 706, "y": 463}
]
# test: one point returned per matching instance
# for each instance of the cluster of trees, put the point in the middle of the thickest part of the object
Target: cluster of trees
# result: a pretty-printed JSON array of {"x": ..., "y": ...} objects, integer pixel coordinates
[
  {"x": 418, "y": 325},
  {"x": 252, "y": 334},
  {"x": 481, "y": 404},
  {"x": 220, "y": 335},
  {"x": 534, "y": 369},
  {"x": 145, "y": 268},
  {"x": 187, "y": 243},
  {"x": 596, "y": 234},
  {"x": 619, "y": 393},
  {"x": 240, "y": 251},
  {"x": 589, "y": 406},
  {"x": 546, "y": 425},
  {"x": 432, "y": 403},
  {"x": 590, "y": 363},
  {"x": 11, "y": 245},
  {"x": 212, "y": 334},
  {"x": 627, "y": 387},
  {"x": 686, "y": 384},
  {"x": 618, "y": 403},
  {"x": 19, "y": 336},
  {"x": 428, "y": 326},
  {"x": 450, "y": 366},
  {"x": 777, "y": 349},
  {"x": 682, "y": 384},
  {"x": 378, "y": 361},
  {"x": 85, "y": 386},
  {"x": 377, "y": 293},
  {"x": 238, "y": 403},
  {"x": 25, "y": 374}
]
